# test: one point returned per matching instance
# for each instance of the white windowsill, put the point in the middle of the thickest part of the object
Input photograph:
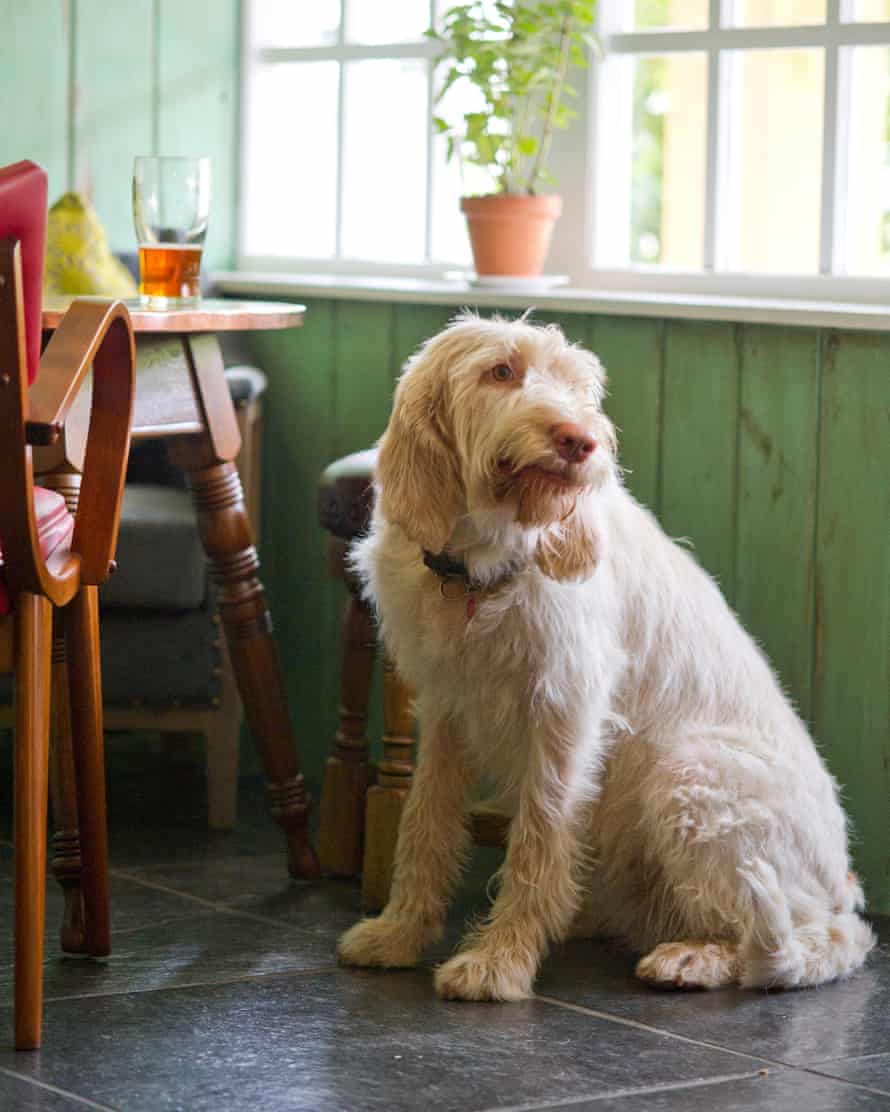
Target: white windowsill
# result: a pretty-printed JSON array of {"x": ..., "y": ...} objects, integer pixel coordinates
[{"x": 425, "y": 291}]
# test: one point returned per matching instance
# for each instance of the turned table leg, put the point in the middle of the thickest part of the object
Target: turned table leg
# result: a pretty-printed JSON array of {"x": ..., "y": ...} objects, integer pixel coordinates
[
  {"x": 234, "y": 565},
  {"x": 347, "y": 772},
  {"x": 386, "y": 798}
]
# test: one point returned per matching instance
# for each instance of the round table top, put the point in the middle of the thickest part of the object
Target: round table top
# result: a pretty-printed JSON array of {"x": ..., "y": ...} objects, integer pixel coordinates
[{"x": 211, "y": 314}]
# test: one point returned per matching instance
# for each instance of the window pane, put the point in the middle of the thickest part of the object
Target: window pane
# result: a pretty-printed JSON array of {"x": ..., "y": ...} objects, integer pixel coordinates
[
  {"x": 668, "y": 159},
  {"x": 683, "y": 15},
  {"x": 776, "y": 161},
  {"x": 868, "y": 187},
  {"x": 369, "y": 21},
  {"x": 288, "y": 23},
  {"x": 778, "y": 13},
  {"x": 451, "y": 180},
  {"x": 871, "y": 11},
  {"x": 384, "y": 202},
  {"x": 291, "y": 175}
]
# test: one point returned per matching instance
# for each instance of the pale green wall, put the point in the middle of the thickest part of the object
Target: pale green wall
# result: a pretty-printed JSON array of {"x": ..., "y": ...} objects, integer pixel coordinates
[{"x": 85, "y": 85}]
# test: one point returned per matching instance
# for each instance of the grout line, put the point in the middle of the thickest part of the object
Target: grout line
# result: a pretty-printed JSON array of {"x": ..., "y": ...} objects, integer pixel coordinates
[
  {"x": 656, "y": 1030},
  {"x": 845, "y": 1080},
  {"x": 234, "y": 979},
  {"x": 225, "y": 909},
  {"x": 85, "y": 1101},
  {"x": 644, "y": 1090}
]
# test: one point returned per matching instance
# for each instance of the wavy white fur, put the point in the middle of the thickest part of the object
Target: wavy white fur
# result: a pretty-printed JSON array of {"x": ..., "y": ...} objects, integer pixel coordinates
[{"x": 662, "y": 787}]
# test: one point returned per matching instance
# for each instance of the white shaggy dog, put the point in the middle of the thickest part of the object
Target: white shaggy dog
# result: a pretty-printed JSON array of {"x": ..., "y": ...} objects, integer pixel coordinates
[{"x": 662, "y": 788}]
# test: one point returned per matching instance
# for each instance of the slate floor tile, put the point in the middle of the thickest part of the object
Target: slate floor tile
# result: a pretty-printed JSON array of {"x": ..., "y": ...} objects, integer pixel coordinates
[
  {"x": 18, "y": 1095},
  {"x": 346, "y": 1040},
  {"x": 201, "y": 949},
  {"x": 792, "y": 1089},
  {"x": 872, "y": 1071},
  {"x": 846, "y": 1019}
]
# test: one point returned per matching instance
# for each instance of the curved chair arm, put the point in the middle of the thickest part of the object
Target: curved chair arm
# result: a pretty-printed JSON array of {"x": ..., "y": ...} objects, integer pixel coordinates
[{"x": 97, "y": 333}]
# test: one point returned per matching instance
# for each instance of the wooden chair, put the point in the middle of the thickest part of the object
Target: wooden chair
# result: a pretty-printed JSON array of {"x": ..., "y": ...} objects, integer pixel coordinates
[
  {"x": 361, "y": 805},
  {"x": 52, "y": 559}
]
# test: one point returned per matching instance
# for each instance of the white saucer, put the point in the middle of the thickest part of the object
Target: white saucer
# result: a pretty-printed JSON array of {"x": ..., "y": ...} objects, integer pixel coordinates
[{"x": 517, "y": 283}]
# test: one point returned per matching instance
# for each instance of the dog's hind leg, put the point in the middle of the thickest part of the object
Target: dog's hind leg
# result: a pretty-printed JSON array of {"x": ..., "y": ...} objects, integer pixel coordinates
[
  {"x": 432, "y": 844},
  {"x": 691, "y": 965}
]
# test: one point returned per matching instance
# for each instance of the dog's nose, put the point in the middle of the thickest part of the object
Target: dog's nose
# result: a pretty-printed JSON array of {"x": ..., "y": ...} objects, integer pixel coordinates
[{"x": 572, "y": 442}]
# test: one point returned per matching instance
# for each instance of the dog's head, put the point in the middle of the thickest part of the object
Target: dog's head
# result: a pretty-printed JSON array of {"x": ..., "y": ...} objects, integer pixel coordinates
[{"x": 501, "y": 420}]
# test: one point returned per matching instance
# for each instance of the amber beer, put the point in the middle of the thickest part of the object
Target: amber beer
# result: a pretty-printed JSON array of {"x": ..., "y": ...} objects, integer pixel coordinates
[{"x": 170, "y": 270}]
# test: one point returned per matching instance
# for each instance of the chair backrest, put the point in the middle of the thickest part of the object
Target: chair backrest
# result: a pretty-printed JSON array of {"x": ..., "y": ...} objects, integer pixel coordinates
[{"x": 23, "y": 206}]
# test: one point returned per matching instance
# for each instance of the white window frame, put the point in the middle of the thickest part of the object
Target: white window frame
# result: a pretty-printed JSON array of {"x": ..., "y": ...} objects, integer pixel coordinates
[
  {"x": 585, "y": 167},
  {"x": 837, "y": 33},
  {"x": 341, "y": 52}
]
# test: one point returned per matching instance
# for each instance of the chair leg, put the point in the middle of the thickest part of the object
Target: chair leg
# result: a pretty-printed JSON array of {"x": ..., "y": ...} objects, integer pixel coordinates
[
  {"x": 222, "y": 738},
  {"x": 387, "y": 797},
  {"x": 33, "y": 648},
  {"x": 347, "y": 772},
  {"x": 66, "y": 862},
  {"x": 89, "y": 760}
]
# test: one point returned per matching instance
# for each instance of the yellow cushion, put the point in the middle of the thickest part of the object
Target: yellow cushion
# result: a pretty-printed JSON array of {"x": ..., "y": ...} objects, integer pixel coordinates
[{"x": 78, "y": 258}]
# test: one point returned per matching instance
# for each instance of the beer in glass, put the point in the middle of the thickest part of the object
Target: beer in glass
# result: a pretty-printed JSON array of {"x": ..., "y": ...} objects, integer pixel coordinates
[{"x": 171, "y": 207}]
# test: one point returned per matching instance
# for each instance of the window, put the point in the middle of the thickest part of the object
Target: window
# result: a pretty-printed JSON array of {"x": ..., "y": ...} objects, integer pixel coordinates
[
  {"x": 340, "y": 169},
  {"x": 737, "y": 146},
  {"x": 744, "y": 145}
]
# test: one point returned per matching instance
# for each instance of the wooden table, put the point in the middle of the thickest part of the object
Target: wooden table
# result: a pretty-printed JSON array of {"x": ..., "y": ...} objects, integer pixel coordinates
[{"x": 182, "y": 397}]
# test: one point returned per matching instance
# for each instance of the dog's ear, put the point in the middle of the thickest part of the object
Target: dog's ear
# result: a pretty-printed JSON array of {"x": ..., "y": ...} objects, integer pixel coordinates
[
  {"x": 418, "y": 479},
  {"x": 571, "y": 549}
]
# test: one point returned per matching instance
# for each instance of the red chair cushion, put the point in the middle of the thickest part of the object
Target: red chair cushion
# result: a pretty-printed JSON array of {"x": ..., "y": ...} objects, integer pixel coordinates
[
  {"x": 55, "y": 526},
  {"x": 23, "y": 194}
]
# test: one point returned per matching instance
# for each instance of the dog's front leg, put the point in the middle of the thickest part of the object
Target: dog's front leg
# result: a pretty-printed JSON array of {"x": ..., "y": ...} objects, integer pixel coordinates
[
  {"x": 538, "y": 895},
  {"x": 433, "y": 841}
]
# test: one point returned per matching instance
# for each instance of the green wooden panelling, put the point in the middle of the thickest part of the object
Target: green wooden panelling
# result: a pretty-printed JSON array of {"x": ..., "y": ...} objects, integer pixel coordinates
[
  {"x": 698, "y": 459},
  {"x": 366, "y": 367},
  {"x": 299, "y": 442},
  {"x": 575, "y": 326},
  {"x": 34, "y": 52},
  {"x": 113, "y": 118},
  {"x": 852, "y": 667},
  {"x": 631, "y": 351},
  {"x": 723, "y": 420},
  {"x": 413, "y": 325},
  {"x": 198, "y": 71},
  {"x": 778, "y": 433}
]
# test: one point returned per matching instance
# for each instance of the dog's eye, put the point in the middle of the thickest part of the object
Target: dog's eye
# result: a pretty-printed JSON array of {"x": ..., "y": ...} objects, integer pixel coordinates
[{"x": 503, "y": 372}]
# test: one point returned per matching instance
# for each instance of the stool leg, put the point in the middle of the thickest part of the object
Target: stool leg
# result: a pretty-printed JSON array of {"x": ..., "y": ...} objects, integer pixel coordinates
[
  {"x": 347, "y": 772},
  {"x": 387, "y": 797},
  {"x": 33, "y": 640},
  {"x": 66, "y": 862}
]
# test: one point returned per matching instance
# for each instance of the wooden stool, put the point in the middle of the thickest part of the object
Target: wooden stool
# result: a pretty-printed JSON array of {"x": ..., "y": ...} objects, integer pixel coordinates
[{"x": 360, "y": 805}]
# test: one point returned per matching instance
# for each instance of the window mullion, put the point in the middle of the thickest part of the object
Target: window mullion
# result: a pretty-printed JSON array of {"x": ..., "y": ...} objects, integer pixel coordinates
[
  {"x": 430, "y": 148},
  {"x": 713, "y": 168},
  {"x": 341, "y": 131}
]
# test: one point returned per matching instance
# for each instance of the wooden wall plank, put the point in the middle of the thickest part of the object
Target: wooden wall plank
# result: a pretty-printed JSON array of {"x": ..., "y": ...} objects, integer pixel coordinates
[
  {"x": 198, "y": 51},
  {"x": 114, "y": 107},
  {"x": 413, "y": 325},
  {"x": 34, "y": 51},
  {"x": 366, "y": 367},
  {"x": 778, "y": 433},
  {"x": 299, "y": 443},
  {"x": 698, "y": 481},
  {"x": 631, "y": 352},
  {"x": 852, "y": 665}
]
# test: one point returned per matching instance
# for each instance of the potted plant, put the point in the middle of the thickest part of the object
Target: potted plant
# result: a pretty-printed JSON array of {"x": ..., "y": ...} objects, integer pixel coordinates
[{"x": 516, "y": 56}]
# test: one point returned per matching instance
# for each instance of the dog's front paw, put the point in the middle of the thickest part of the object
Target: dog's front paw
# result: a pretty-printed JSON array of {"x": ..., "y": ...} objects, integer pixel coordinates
[
  {"x": 391, "y": 943},
  {"x": 690, "y": 965},
  {"x": 476, "y": 975}
]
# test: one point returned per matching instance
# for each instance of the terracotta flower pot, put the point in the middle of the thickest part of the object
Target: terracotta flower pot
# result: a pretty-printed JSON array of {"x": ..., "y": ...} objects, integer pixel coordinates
[{"x": 510, "y": 234}]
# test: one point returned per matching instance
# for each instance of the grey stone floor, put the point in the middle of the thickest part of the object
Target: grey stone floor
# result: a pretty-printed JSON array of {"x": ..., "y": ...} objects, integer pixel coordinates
[{"x": 223, "y": 993}]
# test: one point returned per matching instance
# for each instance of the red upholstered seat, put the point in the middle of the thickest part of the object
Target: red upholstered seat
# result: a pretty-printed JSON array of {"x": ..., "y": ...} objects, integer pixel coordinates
[{"x": 55, "y": 526}]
